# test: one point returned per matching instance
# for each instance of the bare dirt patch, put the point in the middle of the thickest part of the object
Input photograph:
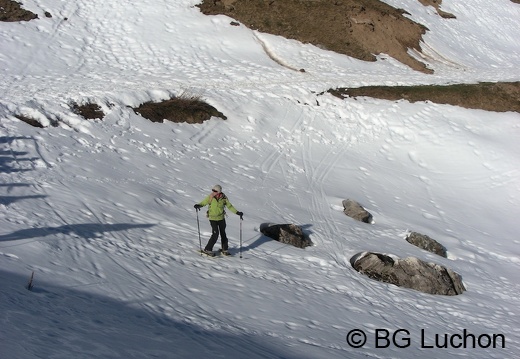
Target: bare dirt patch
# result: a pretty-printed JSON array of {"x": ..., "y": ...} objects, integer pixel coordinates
[
  {"x": 499, "y": 97},
  {"x": 11, "y": 11},
  {"x": 190, "y": 109},
  {"x": 360, "y": 29},
  {"x": 356, "y": 28}
]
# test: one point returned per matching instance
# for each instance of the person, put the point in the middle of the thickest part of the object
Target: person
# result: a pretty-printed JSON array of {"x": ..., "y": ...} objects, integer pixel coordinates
[{"x": 216, "y": 201}]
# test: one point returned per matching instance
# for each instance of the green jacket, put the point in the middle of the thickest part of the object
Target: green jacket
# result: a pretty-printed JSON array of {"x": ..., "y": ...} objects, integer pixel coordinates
[{"x": 216, "y": 211}]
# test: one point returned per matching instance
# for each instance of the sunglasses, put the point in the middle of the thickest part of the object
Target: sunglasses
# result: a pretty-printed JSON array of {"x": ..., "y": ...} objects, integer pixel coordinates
[{"x": 214, "y": 190}]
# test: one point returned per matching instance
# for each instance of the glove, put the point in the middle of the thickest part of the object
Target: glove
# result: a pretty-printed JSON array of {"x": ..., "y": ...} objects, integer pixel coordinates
[
  {"x": 197, "y": 206},
  {"x": 240, "y": 214}
]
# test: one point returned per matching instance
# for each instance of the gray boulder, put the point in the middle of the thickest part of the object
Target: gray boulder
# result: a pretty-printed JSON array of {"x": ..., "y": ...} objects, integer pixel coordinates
[
  {"x": 354, "y": 210},
  {"x": 426, "y": 243},
  {"x": 286, "y": 233},
  {"x": 410, "y": 273}
]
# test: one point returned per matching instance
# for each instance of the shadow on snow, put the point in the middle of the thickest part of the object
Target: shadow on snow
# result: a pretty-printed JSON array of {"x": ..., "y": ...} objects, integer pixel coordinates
[
  {"x": 86, "y": 230},
  {"x": 61, "y": 322}
]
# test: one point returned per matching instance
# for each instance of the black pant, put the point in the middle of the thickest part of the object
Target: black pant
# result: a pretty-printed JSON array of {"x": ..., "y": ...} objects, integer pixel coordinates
[{"x": 217, "y": 227}]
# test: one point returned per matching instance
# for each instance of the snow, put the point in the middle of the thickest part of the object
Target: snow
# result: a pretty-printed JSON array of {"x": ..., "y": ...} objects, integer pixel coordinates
[{"x": 102, "y": 211}]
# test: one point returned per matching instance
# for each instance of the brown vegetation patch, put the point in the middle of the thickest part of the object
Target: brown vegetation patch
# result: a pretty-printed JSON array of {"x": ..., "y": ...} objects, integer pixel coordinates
[
  {"x": 179, "y": 109},
  {"x": 499, "y": 97},
  {"x": 35, "y": 123},
  {"x": 11, "y": 11},
  {"x": 89, "y": 111},
  {"x": 360, "y": 29},
  {"x": 29, "y": 121}
]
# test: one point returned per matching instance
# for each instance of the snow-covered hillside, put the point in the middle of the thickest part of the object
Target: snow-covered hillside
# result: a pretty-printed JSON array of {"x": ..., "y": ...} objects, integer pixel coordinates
[{"x": 102, "y": 211}]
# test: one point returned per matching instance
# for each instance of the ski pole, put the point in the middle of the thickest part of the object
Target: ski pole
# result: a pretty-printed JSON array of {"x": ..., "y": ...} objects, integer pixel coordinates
[
  {"x": 198, "y": 227},
  {"x": 241, "y": 219}
]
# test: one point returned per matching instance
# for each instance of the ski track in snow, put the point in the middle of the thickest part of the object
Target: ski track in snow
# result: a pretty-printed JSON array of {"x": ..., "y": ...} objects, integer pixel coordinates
[
  {"x": 312, "y": 159},
  {"x": 102, "y": 211}
]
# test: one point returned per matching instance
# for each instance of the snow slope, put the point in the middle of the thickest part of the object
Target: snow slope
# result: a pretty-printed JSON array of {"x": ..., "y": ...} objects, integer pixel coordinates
[{"x": 102, "y": 211}]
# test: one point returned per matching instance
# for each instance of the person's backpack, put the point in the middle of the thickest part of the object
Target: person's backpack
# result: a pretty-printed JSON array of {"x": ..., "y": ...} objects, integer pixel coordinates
[{"x": 224, "y": 198}]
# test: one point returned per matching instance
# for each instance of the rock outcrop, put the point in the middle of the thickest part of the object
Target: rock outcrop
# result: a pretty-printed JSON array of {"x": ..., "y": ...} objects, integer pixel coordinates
[
  {"x": 286, "y": 233},
  {"x": 409, "y": 273},
  {"x": 426, "y": 243},
  {"x": 354, "y": 210}
]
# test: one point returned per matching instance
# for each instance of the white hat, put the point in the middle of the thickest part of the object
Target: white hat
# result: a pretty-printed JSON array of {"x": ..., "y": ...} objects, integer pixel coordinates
[{"x": 217, "y": 188}]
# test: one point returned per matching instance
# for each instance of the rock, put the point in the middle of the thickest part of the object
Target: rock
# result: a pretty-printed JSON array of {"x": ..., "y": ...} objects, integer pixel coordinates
[
  {"x": 354, "y": 210},
  {"x": 286, "y": 233},
  {"x": 410, "y": 273},
  {"x": 426, "y": 243}
]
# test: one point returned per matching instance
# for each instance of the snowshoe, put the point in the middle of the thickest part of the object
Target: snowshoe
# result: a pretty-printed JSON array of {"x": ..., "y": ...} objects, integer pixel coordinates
[
  {"x": 224, "y": 252},
  {"x": 207, "y": 253}
]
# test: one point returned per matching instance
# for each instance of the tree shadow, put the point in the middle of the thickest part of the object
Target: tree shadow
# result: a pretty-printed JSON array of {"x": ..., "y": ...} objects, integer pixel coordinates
[
  {"x": 12, "y": 185},
  {"x": 8, "y": 157},
  {"x": 52, "y": 321},
  {"x": 85, "y": 230},
  {"x": 7, "y": 200}
]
